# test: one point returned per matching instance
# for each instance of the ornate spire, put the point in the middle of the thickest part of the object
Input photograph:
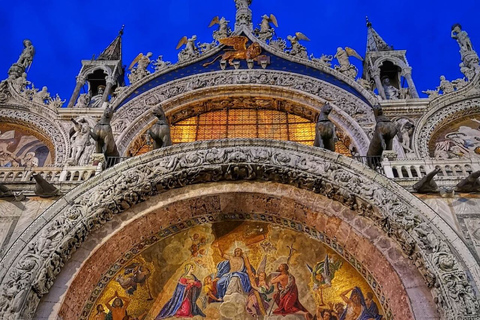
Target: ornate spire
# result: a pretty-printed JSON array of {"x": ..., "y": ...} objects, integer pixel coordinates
[
  {"x": 374, "y": 41},
  {"x": 114, "y": 49},
  {"x": 244, "y": 14}
]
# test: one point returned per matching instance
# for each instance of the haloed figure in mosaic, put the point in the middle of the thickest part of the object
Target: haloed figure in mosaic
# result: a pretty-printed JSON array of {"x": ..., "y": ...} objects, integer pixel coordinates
[{"x": 184, "y": 300}]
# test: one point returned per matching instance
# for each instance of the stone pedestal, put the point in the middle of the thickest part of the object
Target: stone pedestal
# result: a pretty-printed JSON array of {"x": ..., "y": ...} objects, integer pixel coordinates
[{"x": 390, "y": 155}]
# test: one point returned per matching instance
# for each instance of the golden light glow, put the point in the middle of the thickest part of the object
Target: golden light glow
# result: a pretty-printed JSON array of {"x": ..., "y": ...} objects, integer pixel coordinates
[{"x": 243, "y": 123}]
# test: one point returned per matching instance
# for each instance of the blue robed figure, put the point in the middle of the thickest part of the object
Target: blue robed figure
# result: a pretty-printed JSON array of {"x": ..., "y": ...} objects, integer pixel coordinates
[
  {"x": 184, "y": 300},
  {"x": 369, "y": 308},
  {"x": 225, "y": 275}
]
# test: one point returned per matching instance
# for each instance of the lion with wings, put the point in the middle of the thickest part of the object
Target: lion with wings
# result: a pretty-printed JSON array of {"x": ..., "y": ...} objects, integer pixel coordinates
[{"x": 240, "y": 50}]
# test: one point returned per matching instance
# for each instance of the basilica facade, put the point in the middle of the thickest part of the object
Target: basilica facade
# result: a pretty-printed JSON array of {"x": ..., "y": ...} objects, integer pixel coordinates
[{"x": 247, "y": 180}]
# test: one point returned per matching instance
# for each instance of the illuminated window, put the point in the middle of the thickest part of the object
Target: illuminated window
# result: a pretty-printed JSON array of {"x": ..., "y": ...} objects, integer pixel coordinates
[{"x": 243, "y": 123}]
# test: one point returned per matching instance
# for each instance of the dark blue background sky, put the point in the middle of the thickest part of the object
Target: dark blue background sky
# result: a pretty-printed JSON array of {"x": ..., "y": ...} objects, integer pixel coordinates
[{"x": 65, "y": 32}]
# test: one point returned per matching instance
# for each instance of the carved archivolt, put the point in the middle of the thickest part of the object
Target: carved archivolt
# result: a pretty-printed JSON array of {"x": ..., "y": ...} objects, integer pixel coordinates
[
  {"x": 30, "y": 266},
  {"x": 352, "y": 114},
  {"x": 444, "y": 109},
  {"x": 52, "y": 132}
]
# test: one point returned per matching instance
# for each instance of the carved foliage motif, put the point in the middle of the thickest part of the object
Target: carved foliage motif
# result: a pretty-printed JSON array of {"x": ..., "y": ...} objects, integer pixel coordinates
[
  {"x": 34, "y": 271},
  {"x": 136, "y": 110}
]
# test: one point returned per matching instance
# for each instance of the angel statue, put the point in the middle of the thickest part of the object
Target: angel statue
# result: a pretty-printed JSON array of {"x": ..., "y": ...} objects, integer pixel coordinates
[
  {"x": 323, "y": 273},
  {"x": 191, "y": 51},
  {"x": 223, "y": 28},
  {"x": 296, "y": 49},
  {"x": 345, "y": 66},
  {"x": 266, "y": 31},
  {"x": 239, "y": 52},
  {"x": 140, "y": 71}
]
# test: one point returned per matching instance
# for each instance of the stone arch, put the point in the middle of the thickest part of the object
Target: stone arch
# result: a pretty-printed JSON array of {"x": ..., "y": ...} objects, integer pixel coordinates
[
  {"x": 399, "y": 62},
  {"x": 440, "y": 255},
  {"x": 283, "y": 206},
  {"x": 50, "y": 130},
  {"x": 352, "y": 115}
]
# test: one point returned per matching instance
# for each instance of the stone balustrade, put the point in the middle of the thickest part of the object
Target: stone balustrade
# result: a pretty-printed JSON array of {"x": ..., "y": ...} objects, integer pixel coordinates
[
  {"x": 408, "y": 171},
  {"x": 51, "y": 174}
]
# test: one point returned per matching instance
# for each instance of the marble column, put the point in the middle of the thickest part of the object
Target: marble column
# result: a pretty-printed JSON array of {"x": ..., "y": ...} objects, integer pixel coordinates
[
  {"x": 375, "y": 73},
  {"x": 80, "y": 83},
  {"x": 110, "y": 83},
  {"x": 407, "y": 74}
]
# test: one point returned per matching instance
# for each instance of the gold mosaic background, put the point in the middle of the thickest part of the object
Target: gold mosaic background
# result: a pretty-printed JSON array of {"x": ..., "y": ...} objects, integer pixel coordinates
[{"x": 203, "y": 245}]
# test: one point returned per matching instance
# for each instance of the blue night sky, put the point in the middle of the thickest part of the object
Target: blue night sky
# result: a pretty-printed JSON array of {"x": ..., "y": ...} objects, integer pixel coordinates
[{"x": 66, "y": 32}]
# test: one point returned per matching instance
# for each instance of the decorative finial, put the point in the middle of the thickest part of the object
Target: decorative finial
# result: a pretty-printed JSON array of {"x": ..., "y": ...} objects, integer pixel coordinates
[
  {"x": 369, "y": 24},
  {"x": 120, "y": 33},
  {"x": 244, "y": 14}
]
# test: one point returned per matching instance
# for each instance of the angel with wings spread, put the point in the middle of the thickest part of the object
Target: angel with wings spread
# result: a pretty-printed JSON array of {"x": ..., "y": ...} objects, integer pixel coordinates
[
  {"x": 345, "y": 66},
  {"x": 296, "y": 49},
  {"x": 266, "y": 31},
  {"x": 223, "y": 28},
  {"x": 258, "y": 300}
]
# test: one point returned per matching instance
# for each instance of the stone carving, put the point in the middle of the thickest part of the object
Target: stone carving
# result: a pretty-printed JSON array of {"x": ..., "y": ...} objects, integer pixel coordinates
[
  {"x": 223, "y": 30},
  {"x": 469, "y": 65},
  {"x": 325, "y": 130},
  {"x": 160, "y": 64},
  {"x": 81, "y": 147},
  {"x": 324, "y": 60},
  {"x": 42, "y": 96},
  {"x": 391, "y": 92},
  {"x": 345, "y": 66},
  {"x": 118, "y": 191},
  {"x": 140, "y": 70},
  {"x": 427, "y": 184},
  {"x": 4, "y": 91},
  {"x": 97, "y": 100},
  {"x": 405, "y": 133},
  {"x": 296, "y": 49},
  {"x": 43, "y": 188},
  {"x": 206, "y": 46},
  {"x": 83, "y": 101},
  {"x": 266, "y": 32},
  {"x": 240, "y": 50},
  {"x": 24, "y": 61},
  {"x": 367, "y": 85},
  {"x": 432, "y": 94},
  {"x": 20, "y": 83},
  {"x": 160, "y": 131},
  {"x": 278, "y": 44},
  {"x": 385, "y": 131},
  {"x": 438, "y": 113},
  {"x": 445, "y": 86},
  {"x": 103, "y": 135},
  {"x": 190, "y": 52},
  {"x": 352, "y": 106},
  {"x": 470, "y": 183}
]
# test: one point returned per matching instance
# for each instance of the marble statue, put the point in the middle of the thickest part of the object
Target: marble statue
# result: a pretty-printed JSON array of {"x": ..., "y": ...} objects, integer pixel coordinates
[
  {"x": 97, "y": 100},
  {"x": 445, "y": 85},
  {"x": 296, "y": 49},
  {"x": 242, "y": 4},
  {"x": 266, "y": 32},
  {"x": 470, "y": 60},
  {"x": 191, "y": 51},
  {"x": 223, "y": 30},
  {"x": 160, "y": 131},
  {"x": 82, "y": 101},
  {"x": 160, "y": 64},
  {"x": 140, "y": 70},
  {"x": 325, "y": 130},
  {"x": 427, "y": 184},
  {"x": 103, "y": 135},
  {"x": 385, "y": 132},
  {"x": 42, "y": 96},
  {"x": 79, "y": 141},
  {"x": 462, "y": 38},
  {"x": 345, "y": 67},
  {"x": 324, "y": 60},
  {"x": 26, "y": 57},
  {"x": 405, "y": 133},
  {"x": 391, "y": 93}
]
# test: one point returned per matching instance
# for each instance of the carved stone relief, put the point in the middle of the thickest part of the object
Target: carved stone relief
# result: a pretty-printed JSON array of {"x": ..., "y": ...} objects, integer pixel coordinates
[{"x": 35, "y": 259}]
